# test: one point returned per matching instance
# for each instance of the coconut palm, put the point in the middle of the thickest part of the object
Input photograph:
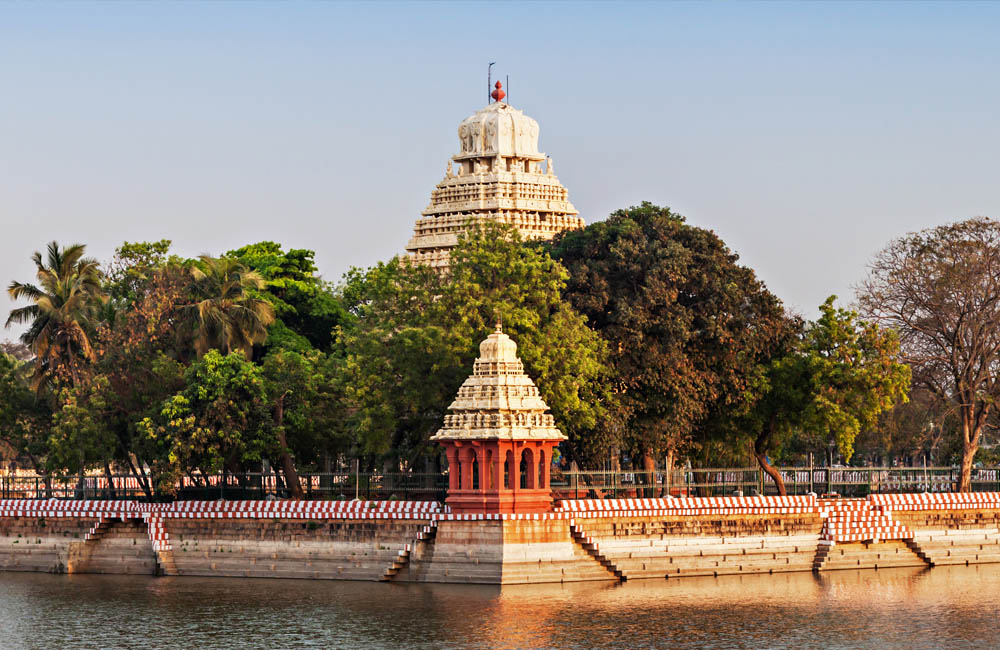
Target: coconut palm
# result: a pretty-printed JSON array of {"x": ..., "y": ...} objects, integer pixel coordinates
[
  {"x": 225, "y": 315},
  {"x": 63, "y": 311}
]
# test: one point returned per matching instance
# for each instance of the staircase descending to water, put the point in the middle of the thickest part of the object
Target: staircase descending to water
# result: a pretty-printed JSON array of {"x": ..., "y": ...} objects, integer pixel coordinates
[
  {"x": 160, "y": 540},
  {"x": 80, "y": 553},
  {"x": 591, "y": 547},
  {"x": 853, "y": 521},
  {"x": 426, "y": 536}
]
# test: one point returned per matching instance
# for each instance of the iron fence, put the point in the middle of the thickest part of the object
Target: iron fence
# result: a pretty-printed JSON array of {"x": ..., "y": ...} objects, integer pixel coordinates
[
  {"x": 408, "y": 486},
  {"x": 845, "y": 481}
]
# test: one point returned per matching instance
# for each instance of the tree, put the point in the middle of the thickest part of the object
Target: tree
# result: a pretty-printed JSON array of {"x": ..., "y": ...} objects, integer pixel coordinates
[
  {"x": 840, "y": 376},
  {"x": 940, "y": 290},
  {"x": 219, "y": 421},
  {"x": 415, "y": 333},
  {"x": 138, "y": 356},
  {"x": 911, "y": 431},
  {"x": 24, "y": 416},
  {"x": 306, "y": 310},
  {"x": 63, "y": 313},
  {"x": 685, "y": 324},
  {"x": 224, "y": 314},
  {"x": 307, "y": 411}
]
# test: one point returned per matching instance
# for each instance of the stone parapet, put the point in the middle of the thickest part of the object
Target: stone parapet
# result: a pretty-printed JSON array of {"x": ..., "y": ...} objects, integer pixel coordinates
[{"x": 642, "y": 538}]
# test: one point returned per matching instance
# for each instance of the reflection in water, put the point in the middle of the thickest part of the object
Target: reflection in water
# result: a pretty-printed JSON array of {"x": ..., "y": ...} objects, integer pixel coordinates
[{"x": 913, "y": 608}]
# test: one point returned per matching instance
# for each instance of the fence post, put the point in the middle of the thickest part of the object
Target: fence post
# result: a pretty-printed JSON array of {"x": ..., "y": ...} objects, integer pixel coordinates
[{"x": 811, "y": 472}]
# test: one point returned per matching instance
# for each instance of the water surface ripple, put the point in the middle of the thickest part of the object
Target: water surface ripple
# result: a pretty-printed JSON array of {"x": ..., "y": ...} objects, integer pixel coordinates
[{"x": 952, "y": 607}]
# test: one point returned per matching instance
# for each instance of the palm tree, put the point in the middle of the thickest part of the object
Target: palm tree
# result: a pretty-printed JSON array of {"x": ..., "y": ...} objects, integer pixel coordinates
[
  {"x": 225, "y": 315},
  {"x": 62, "y": 314}
]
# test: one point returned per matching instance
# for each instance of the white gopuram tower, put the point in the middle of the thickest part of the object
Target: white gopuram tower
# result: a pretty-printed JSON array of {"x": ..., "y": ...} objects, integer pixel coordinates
[{"x": 496, "y": 176}]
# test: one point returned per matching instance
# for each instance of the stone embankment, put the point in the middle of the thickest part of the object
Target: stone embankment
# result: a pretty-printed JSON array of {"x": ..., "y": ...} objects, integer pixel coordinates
[{"x": 611, "y": 539}]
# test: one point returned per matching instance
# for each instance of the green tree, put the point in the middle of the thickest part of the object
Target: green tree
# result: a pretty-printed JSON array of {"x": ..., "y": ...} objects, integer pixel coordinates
[
  {"x": 840, "y": 376},
  {"x": 306, "y": 310},
  {"x": 132, "y": 268},
  {"x": 79, "y": 437},
  {"x": 219, "y": 421},
  {"x": 307, "y": 410},
  {"x": 63, "y": 312},
  {"x": 686, "y": 326},
  {"x": 225, "y": 316},
  {"x": 138, "y": 356},
  {"x": 415, "y": 333},
  {"x": 25, "y": 418}
]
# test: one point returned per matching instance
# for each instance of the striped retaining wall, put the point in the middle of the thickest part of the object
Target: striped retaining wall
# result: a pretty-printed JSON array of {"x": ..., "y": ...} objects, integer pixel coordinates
[{"x": 585, "y": 539}]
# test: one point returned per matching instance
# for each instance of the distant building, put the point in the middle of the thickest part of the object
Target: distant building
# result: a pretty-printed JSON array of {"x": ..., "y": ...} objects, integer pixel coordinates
[{"x": 497, "y": 175}]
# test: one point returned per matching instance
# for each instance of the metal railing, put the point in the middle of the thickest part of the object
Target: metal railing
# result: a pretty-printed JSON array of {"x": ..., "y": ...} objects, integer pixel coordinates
[
  {"x": 336, "y": 486},
  {"x": 845, "y": 481}
]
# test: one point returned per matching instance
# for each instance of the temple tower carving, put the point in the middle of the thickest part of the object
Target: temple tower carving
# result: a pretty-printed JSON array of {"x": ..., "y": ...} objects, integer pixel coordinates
[
  {"x": 499, "y": 437},
  {"x": 497, "y": 175}
]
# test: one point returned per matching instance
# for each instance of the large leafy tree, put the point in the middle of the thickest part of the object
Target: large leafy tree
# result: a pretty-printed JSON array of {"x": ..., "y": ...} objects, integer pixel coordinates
[
  {"x": 940, "y": 290},
  {"x": 415, "y": 333},
  {"x": 63, "y": 313},
  {"x": 225, "y": 315},
  {"x": 220, "y": 420},
  {"x": 306, "y": 309},
  {"x": 686, "y": 325},
  {"x": 839, "y": 376},
  {"x": 24, "y": 418},
  {"x": 307, "y": 410},
  {"x": 138, "y": 355}
]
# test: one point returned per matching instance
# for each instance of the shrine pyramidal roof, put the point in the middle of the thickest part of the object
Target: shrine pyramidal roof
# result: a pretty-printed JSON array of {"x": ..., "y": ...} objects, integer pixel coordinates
[
  {"x": 498, "y": 401},
  {"x": 497, "y": 175}
]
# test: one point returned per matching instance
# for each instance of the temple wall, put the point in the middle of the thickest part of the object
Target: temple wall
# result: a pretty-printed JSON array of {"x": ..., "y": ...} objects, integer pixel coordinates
[
  {"x": 544, "y": 551},
  {"x": 462, "y": 551},
  {"x": 255, "y": 548},
  {"x": 966, "y": 536},
  {"x": 696, "y": 545},
  {"x": 435, "y": 547},
  {"x": 40, "y": 544},
  {"x": 117, "y": 547}
]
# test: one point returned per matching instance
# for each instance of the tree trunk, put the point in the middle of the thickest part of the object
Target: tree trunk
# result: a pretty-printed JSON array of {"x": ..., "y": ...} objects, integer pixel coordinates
[
  {"x": 287, "y": 465},
  {"x": 111, "y": 480},
  {"x": 668, "y": 472},
  {"x": 701, "y": 479},
  {"x": 970, "y": 445},
  {"x": 649, "y": 469},
  {"x": 140, "y": 475},
  {"x": 760, "y": 453}
]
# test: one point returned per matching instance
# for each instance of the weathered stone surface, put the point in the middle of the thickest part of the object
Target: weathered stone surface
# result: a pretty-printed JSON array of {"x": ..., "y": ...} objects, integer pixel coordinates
[{"x": 512, "y": 551}]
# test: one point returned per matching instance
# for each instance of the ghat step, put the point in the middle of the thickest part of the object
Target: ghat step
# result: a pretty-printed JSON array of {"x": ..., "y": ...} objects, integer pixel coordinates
[
  {"x": 592, "y": 548},
  {"x": 426, "y": 536}
]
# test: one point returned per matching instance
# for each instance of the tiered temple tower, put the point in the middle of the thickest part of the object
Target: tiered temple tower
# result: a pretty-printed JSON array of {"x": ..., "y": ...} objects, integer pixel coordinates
[
  {"x": 496, "y": 176},
  {"x": 499, "y": 438}
]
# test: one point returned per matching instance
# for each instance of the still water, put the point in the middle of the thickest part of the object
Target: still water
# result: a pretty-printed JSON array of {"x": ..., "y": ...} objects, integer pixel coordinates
[{"x": 947, "y": 607}]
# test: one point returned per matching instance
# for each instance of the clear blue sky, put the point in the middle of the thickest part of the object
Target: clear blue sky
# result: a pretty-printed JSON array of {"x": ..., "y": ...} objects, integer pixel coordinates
[{"x": 806, "y": 135}]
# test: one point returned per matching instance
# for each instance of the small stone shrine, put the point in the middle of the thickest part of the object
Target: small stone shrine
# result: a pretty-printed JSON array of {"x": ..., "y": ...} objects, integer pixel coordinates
[
  {"x": 498, "y": 438},
  {"x": 496, "y": 176}
]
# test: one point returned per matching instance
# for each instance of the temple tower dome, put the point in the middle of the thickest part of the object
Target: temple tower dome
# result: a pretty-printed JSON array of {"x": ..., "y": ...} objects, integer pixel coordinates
[{"x": 497, "y": 175}]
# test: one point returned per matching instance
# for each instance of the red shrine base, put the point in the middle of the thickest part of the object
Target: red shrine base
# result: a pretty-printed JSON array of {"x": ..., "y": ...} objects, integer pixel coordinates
[
  {"x": 509, "y": 501},
  {"x": 499, "y": 476}
]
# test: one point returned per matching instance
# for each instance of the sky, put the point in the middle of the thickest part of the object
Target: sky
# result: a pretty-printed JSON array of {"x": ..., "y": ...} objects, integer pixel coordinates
[{"x": 806, "y": 135}]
